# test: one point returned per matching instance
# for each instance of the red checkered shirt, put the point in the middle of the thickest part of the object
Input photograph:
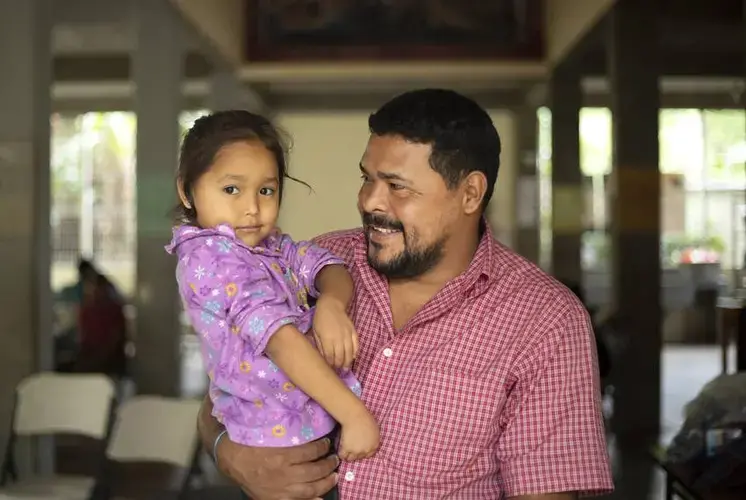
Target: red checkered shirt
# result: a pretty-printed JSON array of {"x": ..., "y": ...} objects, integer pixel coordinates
[{"x": 489, "y": 391}]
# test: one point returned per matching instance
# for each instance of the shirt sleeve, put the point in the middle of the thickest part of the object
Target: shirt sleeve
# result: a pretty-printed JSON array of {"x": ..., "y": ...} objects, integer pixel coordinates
[
  {"x": 554, "y": 439},
  {"x": 307, "y": 259},
  {"x": 222, "y": 286}
]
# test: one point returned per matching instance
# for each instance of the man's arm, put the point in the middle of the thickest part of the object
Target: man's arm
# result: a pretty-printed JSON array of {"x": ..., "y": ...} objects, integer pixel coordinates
[
  {"x": 553, "y": 445},
  {"x": 207, "y": 426},
  {"x": 270, "y": 473}
]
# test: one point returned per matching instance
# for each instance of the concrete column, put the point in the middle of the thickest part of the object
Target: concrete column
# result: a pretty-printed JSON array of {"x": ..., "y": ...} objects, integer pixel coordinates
[
  {"x": 527, "y": 212},
  {"x": 157, "y": 68},
  {"x": 25, "y": 243},
  {"x": 566, "y": 96},
  {"x": 636, "y": 274}
]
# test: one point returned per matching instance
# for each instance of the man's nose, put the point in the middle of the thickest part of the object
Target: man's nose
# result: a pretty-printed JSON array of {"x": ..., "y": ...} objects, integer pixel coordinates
[{"x": 373, "y": 197}]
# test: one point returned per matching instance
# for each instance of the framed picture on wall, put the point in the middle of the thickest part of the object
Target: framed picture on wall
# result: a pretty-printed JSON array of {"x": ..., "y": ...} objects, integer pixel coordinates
[{"x": 355, "y": 30}]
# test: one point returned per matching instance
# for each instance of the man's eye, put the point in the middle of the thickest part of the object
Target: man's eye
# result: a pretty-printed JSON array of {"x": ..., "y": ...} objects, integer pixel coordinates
[
  {"x": 266, "y": 191},
  {"x": 364, "y": 178},
  {"x": 230, "y": 190},
  {"x": 395, "y": 187}
]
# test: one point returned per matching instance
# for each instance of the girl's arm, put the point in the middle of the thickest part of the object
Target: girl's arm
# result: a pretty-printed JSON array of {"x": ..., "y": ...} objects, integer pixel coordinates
[
  {"x": 335, "y": 333},
  {"x": 305, "y": 367},
  {"x": 225, "y": 287},
  {"x": 334, "y": 282},
  {"x": 230, "y": 288},
  {"x": 310, "y": 262},
  {"x": 326, "y": 278}
]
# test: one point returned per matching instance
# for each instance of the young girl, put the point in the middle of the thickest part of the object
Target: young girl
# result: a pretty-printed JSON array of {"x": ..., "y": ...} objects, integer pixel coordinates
[{"x": 245, "y": 287}]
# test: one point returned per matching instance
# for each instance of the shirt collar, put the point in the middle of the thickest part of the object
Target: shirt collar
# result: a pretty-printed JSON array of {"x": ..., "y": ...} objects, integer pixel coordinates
[{"x": 271, "y": 246}]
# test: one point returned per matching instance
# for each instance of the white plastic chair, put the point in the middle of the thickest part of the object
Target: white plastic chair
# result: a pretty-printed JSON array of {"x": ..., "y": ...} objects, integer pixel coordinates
[
  {"x": 53, "y": 403},
  {"x": 153, "y": 429}
]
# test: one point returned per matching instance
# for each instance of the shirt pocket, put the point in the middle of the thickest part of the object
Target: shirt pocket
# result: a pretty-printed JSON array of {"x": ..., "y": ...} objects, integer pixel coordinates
[{"x": 443, "y": 422}]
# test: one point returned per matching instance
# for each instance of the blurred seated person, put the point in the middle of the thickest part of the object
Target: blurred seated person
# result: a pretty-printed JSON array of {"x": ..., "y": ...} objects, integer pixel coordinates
[
  {"x": 87, "y": 271},
  {"x": 67, "y": 304},
  {"x": 74, "y": 293},
  {"x": 66, "y": 312},
  {"x": 102, "y": 328}
]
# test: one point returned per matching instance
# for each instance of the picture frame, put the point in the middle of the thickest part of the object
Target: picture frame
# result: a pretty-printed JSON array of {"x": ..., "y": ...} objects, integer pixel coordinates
[{"x": 391, "y": 30}]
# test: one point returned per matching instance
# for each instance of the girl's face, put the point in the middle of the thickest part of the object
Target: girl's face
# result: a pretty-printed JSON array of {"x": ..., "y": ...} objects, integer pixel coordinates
[{"x": 240, "y": 189}]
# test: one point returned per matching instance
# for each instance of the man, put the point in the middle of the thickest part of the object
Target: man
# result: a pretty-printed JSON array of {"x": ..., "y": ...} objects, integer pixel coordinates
[{"x": 479, "y": 367}]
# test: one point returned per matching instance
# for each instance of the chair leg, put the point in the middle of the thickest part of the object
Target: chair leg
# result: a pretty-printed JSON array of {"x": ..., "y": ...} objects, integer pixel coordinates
[
  {"x": 194, "y": 470},
  {"x": 10, "y": 468}
]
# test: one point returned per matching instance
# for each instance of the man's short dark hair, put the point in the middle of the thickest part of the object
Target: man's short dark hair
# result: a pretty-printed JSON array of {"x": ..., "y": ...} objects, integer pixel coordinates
[{"x": 460, "y": 132}]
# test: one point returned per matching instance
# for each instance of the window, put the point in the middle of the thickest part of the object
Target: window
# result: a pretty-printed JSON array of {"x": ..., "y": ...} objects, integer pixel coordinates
[
  {"x": 703, "y": 153},
  {"x": 93, "y": 211}
]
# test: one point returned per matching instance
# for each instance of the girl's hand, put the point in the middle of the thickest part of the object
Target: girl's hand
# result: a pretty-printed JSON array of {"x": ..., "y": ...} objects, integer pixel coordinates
[
  {"x": 360, "y": 438},
  {"x": 335, "y": 334}
]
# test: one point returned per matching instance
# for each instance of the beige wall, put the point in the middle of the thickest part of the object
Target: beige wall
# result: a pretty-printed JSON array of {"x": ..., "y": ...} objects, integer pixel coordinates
[{"x": 327, "y": 147}]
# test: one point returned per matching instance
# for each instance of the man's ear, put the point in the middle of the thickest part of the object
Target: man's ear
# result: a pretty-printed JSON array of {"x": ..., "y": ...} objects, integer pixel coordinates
[{"x": 474, "y": 188}]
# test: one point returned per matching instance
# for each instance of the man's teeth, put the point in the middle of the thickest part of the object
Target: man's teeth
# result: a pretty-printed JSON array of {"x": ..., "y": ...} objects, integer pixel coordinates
[{"x": 384, "y": 230}]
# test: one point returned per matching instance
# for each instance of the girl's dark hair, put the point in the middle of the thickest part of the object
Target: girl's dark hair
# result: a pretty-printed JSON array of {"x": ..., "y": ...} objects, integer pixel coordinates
[{"x": 210, "y": 134}]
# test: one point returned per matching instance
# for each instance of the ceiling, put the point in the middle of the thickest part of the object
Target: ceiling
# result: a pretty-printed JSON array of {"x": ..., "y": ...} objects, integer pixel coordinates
[{"x": 93, "y": 40}]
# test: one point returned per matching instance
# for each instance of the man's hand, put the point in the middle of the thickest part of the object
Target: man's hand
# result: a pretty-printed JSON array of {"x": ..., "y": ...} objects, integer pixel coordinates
[
  {"x": 334, "y": 332},
  {"x": 292, "y": 473}
]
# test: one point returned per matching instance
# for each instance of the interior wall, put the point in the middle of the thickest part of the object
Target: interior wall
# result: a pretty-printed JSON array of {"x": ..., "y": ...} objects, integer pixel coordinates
[{"x": 327, "y": 147}]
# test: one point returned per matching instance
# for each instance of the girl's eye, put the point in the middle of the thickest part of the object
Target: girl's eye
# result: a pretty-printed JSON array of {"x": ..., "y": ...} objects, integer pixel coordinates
[
  {"x": 266, "y": 191},
  {"x": 230, "y": 190}
]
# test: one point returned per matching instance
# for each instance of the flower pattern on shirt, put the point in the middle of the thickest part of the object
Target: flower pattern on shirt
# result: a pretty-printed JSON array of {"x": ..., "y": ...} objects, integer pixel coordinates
[{"x": 236, "y": 298}]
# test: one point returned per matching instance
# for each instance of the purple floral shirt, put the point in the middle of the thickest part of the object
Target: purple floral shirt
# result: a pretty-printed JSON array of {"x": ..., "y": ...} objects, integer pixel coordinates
[{"x": 237, "y": 297}]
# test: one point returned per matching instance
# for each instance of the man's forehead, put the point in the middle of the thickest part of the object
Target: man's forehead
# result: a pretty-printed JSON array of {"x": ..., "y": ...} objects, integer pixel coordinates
[{"x": 395, "y": 153}]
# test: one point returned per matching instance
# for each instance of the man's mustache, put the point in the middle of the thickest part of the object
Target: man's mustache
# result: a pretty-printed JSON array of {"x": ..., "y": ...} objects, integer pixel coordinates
[{"x": 382, "y": 222}]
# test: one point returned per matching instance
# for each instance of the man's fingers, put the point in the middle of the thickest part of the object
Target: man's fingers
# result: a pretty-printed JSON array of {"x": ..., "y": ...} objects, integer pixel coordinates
[
  {"x": 319, "y": 345},
  {"x": 313, "y": 471},
  {"x": 355, "y": 345},
  {"x": 315, "y": 489},
  {"x": 349, "y": 354},
  {"x": 339, "y": 356},
  {"x": 308, "y": 452},
  {"x": 331, "y": 355}
]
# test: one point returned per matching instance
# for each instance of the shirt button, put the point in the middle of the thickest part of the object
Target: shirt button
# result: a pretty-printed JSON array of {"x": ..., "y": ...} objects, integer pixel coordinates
[
  {"x": 388, "y": 352},
  {"x": 349, "y": 475}
]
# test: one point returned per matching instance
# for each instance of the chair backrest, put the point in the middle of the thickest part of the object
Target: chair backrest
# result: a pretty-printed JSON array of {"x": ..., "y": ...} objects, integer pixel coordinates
[
  {"x": 56, "y": 403},
  {"x": 155, "y": 429}
]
